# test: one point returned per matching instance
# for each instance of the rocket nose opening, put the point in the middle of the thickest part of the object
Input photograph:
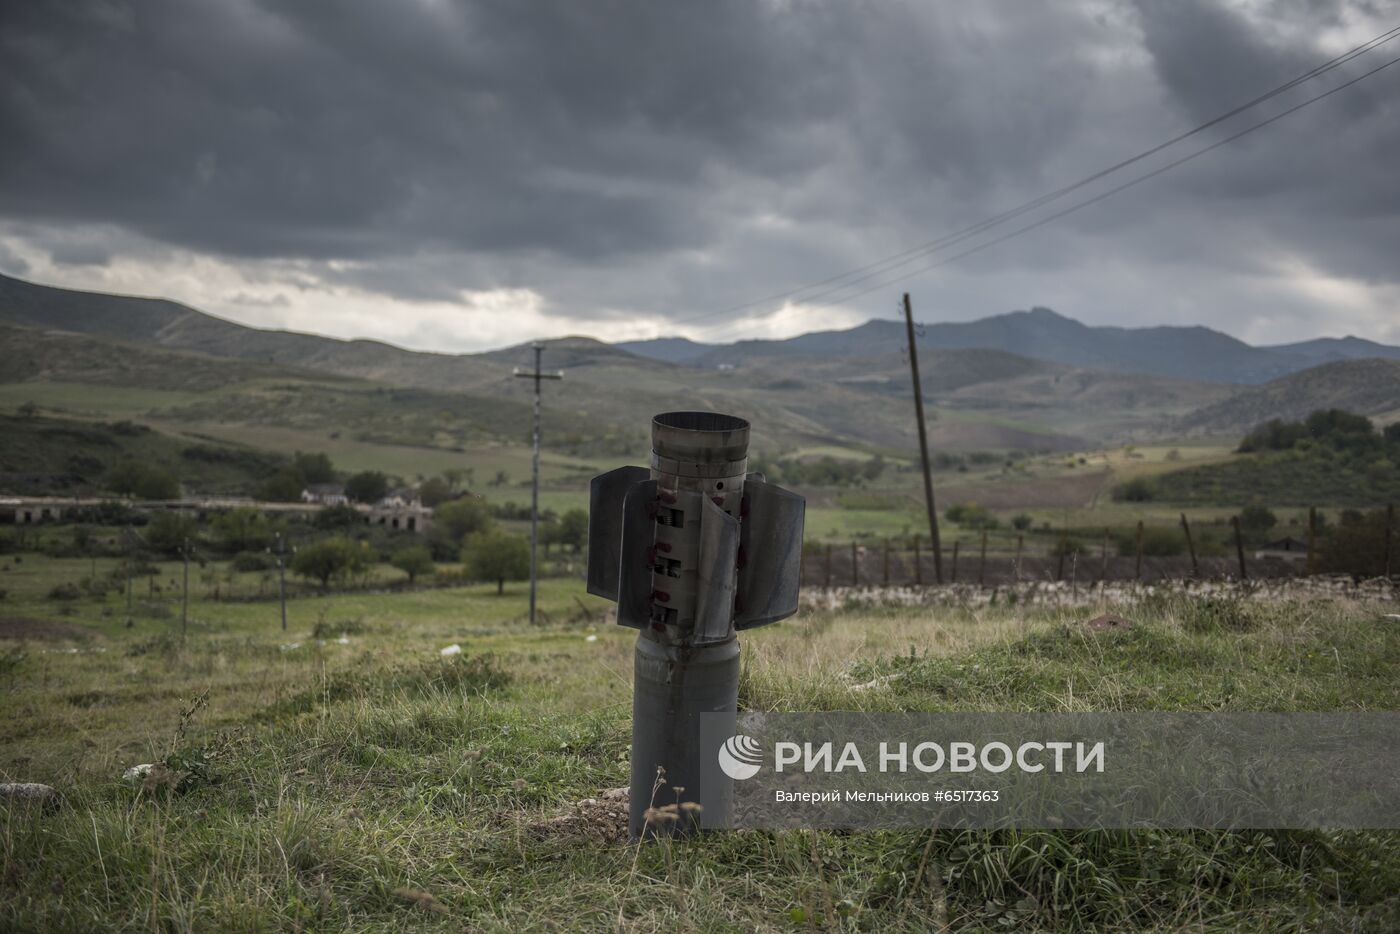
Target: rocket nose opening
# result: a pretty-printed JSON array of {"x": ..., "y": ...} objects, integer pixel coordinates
[
  {"x": 702, "y": 437},
  {"x": 700, "y": 421}
]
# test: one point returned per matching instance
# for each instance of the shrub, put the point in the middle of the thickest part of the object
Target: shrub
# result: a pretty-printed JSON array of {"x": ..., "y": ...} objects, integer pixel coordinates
[
  {"x": 1021, "y": 522},
  {"x": 1136, "y": 490},
  {"x": 65, "y": 592},
  {"x": 247, "y": 561},
  {"x": 971, "y": 515}
]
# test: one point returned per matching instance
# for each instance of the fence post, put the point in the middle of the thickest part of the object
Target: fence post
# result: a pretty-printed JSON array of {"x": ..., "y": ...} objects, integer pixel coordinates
[
  {"x": 1103, "y": 570},
  {"x": 886, "y": 577},
  {"x": 828, "y": 566},
  {"x": 1191, "y": 546},
  {"x": 1064, "y": 546},
  {"x": 982, "y": 562},
  {"x": 1312, "y": 539},
  {"x": 1020, "y": 540},
  {"x": 918, "y": 568},
  {"x": 855, "y": 565},
  {"x": 955, "y": 560},
  {"x": 1239, "y": 547},
  {"x": 1137, "y": 569}
]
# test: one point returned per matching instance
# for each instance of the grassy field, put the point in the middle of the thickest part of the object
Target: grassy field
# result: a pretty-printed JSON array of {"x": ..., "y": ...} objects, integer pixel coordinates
[{"x": 346, "y": 776}]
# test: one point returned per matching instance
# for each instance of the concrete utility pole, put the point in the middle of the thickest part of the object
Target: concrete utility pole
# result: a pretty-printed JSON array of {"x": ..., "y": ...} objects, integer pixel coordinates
[
  {"x": 693, "y": 550},
  {"x": 282, "y": 579},
  {"x": 923, "y": 442},
  {"x": 185, "y": 599},
  {"x": 535, "y": 375}
]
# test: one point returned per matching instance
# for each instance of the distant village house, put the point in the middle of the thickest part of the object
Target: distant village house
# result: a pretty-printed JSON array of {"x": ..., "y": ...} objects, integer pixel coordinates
[
  {"x": 1285, "y": 549},
  {"x": 325, "y": 494}
]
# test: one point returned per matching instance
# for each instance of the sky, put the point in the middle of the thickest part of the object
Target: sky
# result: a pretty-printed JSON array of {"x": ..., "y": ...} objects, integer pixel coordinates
[{"x": 457, "y": 176}]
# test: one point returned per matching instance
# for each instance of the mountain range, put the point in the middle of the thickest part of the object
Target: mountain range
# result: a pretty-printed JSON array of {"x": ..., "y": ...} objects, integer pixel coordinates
[
  {"x": 1197, "y": 353},
  {"x": 1032, "y": 379}
]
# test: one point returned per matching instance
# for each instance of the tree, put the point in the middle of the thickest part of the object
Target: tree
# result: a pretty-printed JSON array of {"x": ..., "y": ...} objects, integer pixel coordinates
[
  {"x": 168, "y": 532},
  {"x": 433, "y": 491},
  {"x": 454, "y": 521},
  {"x": 313, "y": 468},
  {"x": 496, "y": 555},
  {"x": 368, "y": 486},
  {"x": 573, "y": 529},
  {"x": 143, "y": 481},
  {"x": 243, "y": 530},
  {"x": 285, "y": 485},
  {"x": 338, "y": 518},
  {"x": 1021, "y": 521},
  {"x": 331, "y": 559},
  {"x": 415, "y": 561}
]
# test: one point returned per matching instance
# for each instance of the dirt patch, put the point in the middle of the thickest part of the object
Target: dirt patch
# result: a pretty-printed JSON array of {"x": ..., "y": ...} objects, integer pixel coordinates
[
  {"x": 603, "y": 818},
  {"x": 26, "y": 627},
  {"x": 1107, "y": 622}
]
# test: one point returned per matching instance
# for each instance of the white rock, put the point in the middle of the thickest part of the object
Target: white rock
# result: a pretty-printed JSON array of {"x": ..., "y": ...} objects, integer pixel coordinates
[
  {"x": 289, "y": 646},
  {"x": 27, "y": 791},
  {"x": 138, "y": 772},
  {"x": 343, "y": 640},
  {"x": 453, "y": 649},
  {"x": 593, "y": 638}
]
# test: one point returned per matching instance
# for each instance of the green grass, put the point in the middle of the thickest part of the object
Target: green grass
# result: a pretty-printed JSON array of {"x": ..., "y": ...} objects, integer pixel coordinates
[{"x": 375, "y": 785}]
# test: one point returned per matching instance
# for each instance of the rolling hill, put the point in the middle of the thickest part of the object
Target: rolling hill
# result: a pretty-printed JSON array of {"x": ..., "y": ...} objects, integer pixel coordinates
[{"x": 1367, "y": 387}]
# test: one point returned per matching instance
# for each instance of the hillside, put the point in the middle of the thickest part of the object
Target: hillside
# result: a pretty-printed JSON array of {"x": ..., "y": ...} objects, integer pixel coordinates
[
  {"x": 1367, "y": 387},
  {"x": 57, "y": 455}
]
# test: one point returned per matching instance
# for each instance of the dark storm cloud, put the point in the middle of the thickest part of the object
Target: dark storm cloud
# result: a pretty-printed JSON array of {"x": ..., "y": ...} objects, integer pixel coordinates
[{"x": 632, "y": 157}]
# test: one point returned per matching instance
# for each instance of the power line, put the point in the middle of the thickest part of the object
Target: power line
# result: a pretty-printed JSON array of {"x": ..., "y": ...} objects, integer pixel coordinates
[
  {"x": 1112, "y": 191},
  {"x": 898, "y": 260},
  {"x": 1078, "y": 206}
]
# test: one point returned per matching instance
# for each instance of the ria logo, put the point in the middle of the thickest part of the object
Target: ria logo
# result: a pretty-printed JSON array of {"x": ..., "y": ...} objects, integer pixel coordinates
[{"x": 740, "y": 757}]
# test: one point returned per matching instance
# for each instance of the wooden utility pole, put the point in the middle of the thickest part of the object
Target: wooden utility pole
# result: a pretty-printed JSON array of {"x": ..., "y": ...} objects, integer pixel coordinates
[
  {"x": 1137, "y": 569},
  {"x": 1312, "y": 538},
  {"x": 282, "y": 579},
  {"x": 130, "y": 551},
  {"x": 1239, "y": 547},
  {"x": 923, "y": 443},
  {"x": 536, "y": 374},
  {"x": 982, "y": 562},
  {"x": 1190, "y": 546}
]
